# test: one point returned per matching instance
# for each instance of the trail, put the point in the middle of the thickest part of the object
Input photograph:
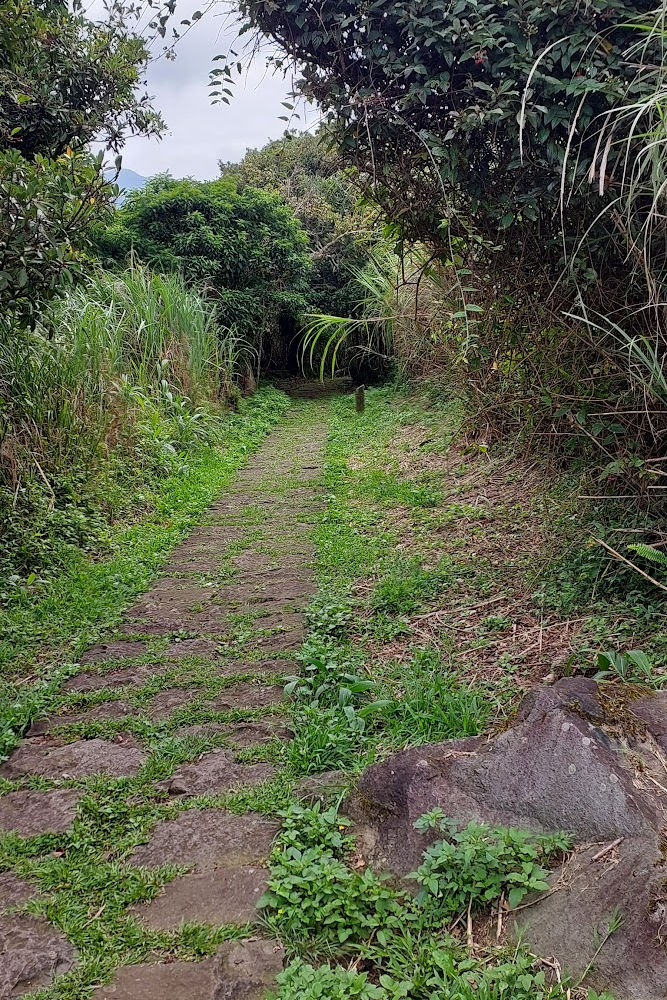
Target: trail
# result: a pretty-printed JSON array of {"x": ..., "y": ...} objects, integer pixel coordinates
[{"x": 197, "y": 662}]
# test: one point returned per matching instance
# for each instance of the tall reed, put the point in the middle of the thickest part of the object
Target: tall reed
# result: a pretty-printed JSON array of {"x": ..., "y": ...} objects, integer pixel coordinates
[{"x": 119, "y": 381}]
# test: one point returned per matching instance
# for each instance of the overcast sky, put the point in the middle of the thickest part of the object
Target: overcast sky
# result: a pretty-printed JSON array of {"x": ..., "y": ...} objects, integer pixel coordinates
[{"x": 200, "y": 134}]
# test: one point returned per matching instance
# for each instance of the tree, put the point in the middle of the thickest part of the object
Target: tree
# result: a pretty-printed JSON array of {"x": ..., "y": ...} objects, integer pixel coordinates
[
  {"x": 244, "y": 246},
  {"x": 64, "y": 82},
  {"x": 305, "y": 170},
  {"x": 427, "y": 99}
]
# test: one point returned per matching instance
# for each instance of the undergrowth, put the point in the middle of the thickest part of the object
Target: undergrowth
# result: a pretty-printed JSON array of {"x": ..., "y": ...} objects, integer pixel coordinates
[
  {"x": 122, "y": 383},
  {"x": 323, "y": 905}
]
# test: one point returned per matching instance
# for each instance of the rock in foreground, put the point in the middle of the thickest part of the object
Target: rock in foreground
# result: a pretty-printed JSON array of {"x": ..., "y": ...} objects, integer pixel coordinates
[{"x": 553, "y": 770}]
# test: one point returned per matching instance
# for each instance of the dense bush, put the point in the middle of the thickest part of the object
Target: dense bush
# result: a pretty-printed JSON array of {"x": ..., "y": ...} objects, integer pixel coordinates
[
  {"x": 427, "y": 101},
  {"x": 244, "y": 247}
]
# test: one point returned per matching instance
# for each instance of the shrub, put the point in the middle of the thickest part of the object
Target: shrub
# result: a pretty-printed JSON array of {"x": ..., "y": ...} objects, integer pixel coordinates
[
  {"x": 304, "y": 169},
  {"x": 313, "y": 896}
]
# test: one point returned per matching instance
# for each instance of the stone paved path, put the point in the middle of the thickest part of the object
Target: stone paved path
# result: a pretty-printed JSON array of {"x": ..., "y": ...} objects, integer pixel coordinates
[{"x": 200, "y": 655}]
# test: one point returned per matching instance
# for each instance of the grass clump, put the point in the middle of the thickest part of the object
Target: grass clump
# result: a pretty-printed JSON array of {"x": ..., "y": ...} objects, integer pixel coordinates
[
  {"x": 325, "y": 739},
  {"x": 407, "y": 586},
  {"x": 431, "y": 704}
]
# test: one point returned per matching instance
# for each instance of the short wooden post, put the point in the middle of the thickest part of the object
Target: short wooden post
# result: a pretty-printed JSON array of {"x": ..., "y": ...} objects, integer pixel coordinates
[{"x": 360, "y": 398}]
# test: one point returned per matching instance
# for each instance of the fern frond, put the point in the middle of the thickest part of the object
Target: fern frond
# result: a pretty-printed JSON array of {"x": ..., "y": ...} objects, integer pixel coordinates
[{"x": 649, "y": 552}]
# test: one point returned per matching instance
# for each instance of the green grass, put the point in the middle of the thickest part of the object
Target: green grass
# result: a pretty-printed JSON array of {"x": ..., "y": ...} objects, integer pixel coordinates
[{"x": 45, "y": 629}]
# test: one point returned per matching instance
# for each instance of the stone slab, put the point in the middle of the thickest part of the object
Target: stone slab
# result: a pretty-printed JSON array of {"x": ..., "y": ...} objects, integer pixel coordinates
[
  {"x": 30, "y": 814},
  {"x": 32, "y": 954},
  {"x": 75, "y": 760},
  {"x": 246, "y": 695},
  {"x": 248, "y": 734},
  {"x": 118, "y": 649},
  {"x": 167, "y": 702},
  {"x": 247, "y": 969},
  {"x": 89, "y": 681},
  {"x": 229, "y": 896},
  {"x": 280, "y": 642},
  {"x": 289, "y": 620},
  {"x": 108, "y": 710},
  {"x": 14, "y": 891},
  {"x": 170, "y": 620},
  {"x": 208, "y": 838},
  {"x": 240, "y": 970},
  {"x": 214, "y": 773},
  {"x": 192, "y": 647}
]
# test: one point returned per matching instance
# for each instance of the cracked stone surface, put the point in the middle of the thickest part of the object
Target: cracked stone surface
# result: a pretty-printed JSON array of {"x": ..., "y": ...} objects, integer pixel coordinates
[
  {"x": 75, "y": 760},
  {"x": 207, "y": 839},
  {"x": 14, "y": 891},
  {"x": 216, "y": 772},
  {"x": 31, "y": 813},
  {"x": 240, "y": 970},
  {"x": 228, "y": 897},
  {"x": 32, "y": 954}
]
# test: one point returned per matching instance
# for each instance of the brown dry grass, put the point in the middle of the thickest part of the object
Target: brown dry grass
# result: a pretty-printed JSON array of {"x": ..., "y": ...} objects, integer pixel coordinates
[{"x": 494, "y": 525}]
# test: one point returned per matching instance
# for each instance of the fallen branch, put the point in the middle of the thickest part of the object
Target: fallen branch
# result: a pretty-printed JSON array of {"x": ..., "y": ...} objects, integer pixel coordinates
[{"x": 607, "y": 849}]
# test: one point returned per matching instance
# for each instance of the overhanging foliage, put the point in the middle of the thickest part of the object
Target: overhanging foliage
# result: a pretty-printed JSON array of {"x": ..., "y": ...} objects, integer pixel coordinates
[{"x": 427, "y": 98}]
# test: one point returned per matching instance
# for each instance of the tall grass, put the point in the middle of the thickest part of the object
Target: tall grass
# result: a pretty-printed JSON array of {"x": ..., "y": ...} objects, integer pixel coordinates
[
  {"x": 401, "y": 306},
  {"x": 629, "y": 173},
  {"x": 120, "y": 381}
]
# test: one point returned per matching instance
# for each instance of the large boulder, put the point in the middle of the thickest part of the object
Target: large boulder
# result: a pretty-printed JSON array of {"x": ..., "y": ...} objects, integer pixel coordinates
[{"x": 564, "y": 765}]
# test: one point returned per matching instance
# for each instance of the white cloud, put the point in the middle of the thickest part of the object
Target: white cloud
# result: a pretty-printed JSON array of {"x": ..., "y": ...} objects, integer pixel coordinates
[{"x": 200, "y": 134}]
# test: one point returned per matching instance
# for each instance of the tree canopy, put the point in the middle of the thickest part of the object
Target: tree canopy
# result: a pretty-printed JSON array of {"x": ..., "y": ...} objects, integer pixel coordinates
[
  {"x": 245, "y": 246},
  {"x": 64, "y": 81},
  {"x": 429, "y": 102},
  {"x": 306, "y": 171}
]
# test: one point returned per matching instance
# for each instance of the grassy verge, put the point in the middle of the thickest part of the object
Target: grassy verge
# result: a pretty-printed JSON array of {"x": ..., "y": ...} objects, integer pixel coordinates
[
  {"x": 45, "y": 627},
  {"x": 451, "y": 581}
]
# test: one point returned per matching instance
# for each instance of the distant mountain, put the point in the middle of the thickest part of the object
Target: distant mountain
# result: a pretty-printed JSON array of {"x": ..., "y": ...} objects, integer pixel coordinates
[{"x": 128, "y": 180}]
